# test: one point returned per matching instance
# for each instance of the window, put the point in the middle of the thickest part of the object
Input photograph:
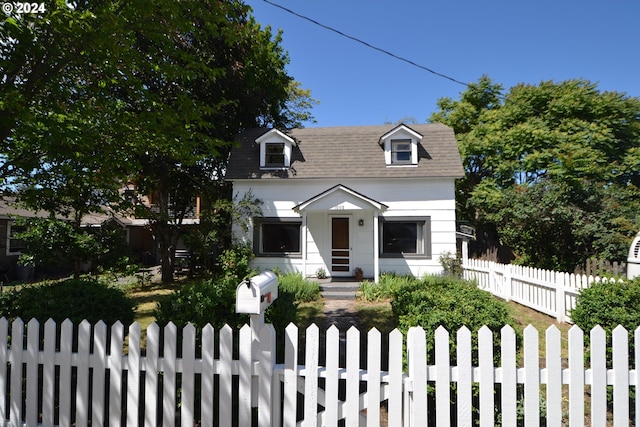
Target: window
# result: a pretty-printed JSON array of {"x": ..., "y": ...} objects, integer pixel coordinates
[
  {"x": 14, "y": 246},
  {"x": 401, "y": 147},
  {"x": 277, "y": 237},
  {"x": 401, "y": 151},
  {"x": 274, "y": 155},
  {"x": 405, "y": 237},
  {"x": 275, "y": 150}
]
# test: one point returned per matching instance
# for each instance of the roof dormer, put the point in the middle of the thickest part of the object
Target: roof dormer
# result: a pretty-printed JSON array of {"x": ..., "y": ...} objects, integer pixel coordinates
[
  {"x": 275, "y": 150},
  {"x": 401, "y": 146}
]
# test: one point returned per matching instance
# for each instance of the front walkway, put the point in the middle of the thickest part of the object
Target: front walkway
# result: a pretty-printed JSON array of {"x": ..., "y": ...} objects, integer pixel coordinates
[{"x": 339, "y": 302}]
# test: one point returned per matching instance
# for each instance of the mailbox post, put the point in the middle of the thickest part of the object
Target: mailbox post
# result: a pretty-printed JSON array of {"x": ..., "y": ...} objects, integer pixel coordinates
[{"x": 253, "y": 296}]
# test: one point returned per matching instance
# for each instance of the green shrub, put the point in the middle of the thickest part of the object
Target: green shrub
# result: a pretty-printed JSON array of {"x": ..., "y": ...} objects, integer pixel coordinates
[
  {"x": 303, "y": 290},
  {"x": 451, "y": 303},
  {"x": 73, "y": 299},
  {"x": 608, "y": 304},
  {"x": 199, "y": 303},
  {"x": 388, "y": 283},
  {"x": 214, "y": 302}
]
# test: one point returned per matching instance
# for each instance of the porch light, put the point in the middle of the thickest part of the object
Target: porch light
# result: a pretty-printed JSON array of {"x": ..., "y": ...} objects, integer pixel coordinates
[{"x": 361, "y": 222}]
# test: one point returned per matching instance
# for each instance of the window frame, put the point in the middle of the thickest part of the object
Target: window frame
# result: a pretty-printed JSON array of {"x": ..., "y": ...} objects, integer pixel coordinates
[
  {"x": 395, "y": 151},
  {"x": 282, "y": 153},
  {"x": 258, "y": 246},
  {"x": 422, "y": 221},
  {"x": 10, "y": 230}
]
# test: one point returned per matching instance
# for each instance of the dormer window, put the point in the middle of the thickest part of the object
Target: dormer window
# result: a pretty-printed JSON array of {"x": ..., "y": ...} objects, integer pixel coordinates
[
  {"x": 274, "y": 154},
  {"x": 400, "y": 151},
  {"x": 275, "y": 150},
  {"x": 401, "y": 146}
]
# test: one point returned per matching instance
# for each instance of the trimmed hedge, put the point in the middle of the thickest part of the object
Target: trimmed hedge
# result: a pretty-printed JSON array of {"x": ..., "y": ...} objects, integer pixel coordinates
[{"x": 451, "y": 303}]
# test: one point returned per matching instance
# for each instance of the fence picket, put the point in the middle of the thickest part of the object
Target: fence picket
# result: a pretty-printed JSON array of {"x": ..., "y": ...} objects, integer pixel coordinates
[
  {"x": 312, "y": 352},
  {"x": 553, "y": 361},
  {"x": 151, "y": 375},
  {"x": 115, "y": 374},
  {"x": 417, "y": 360},
  {"x": 290, "y": 375},
  {"x": 396, "y": 386},
  {"x": 576, "y": 377},
  {"x": 352, "y": 403},
  {"x": 598, "y": 363},
  {"x": 169, "y": 377},
  {"x": 99, "y": 364},
  {"x": 487, "y": 378},
  {"x": 66, "y": 339},
  {"x": 465, "y": 376},
  {"x": 15, "y": 408},
  {"x": 82, "y": 386},
  {"x": 31, "y": 361},
  {"x": 532, "y": 377},
  {"x": 208, "y": 397},
  {"x": 133, "y": 375},
  {"x": 225, "y": 375},
  {"x": 187, "y": 395},
  {"x": 508, "y": 388},
  {"x": 620, "y": 377},
  {"x": 332, "y": 348},
  {"x": 245, "y": 376},
  {"x": 443, "y": 377},
  {"x": 374, "y": 352},
  {"x": 48, "y": 373},
  {"x": 267, "y": 381}
]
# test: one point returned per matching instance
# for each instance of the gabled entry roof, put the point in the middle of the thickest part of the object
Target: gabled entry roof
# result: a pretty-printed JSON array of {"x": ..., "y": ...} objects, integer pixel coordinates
[{"x": 338, "y": 198}]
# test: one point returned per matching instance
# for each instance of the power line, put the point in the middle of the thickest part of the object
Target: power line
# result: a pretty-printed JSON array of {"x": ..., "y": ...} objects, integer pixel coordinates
[{"x": 369, "y": 45}]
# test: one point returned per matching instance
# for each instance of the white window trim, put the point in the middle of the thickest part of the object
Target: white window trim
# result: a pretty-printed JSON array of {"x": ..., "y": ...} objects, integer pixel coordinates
[
  {"x": 274, "y": 136},
  {"x": 402, "y": 133},
  {"x": 9, "y": 253}
]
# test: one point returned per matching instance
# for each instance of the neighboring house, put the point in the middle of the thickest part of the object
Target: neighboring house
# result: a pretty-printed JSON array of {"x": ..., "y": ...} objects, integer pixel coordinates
[
  {"x": 380, "y": 198},
  {"x": 140, "y": 241},
  {"x": 10, "y": 246}
]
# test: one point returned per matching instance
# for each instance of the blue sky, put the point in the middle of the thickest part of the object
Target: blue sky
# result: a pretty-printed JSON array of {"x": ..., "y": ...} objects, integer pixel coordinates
[{"x": 510, "y": 41}]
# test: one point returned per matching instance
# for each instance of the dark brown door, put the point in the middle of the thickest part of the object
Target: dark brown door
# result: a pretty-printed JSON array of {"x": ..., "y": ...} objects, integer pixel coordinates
[{"x": 340, "y": 249}]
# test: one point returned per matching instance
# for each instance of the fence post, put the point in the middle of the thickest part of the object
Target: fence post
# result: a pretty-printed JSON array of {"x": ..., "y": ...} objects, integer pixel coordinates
[
  {"x": 266, "y": 380},
  {"x": 508, "y": 274},
  {"x": 561, "y": 308}
]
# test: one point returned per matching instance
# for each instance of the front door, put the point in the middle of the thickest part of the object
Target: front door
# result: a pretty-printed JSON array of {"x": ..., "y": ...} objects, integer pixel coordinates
[{"x": 340, "y": 248}]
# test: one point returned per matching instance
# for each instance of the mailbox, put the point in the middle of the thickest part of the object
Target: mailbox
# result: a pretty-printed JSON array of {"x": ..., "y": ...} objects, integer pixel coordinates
[{"x": 255, "y": 294}]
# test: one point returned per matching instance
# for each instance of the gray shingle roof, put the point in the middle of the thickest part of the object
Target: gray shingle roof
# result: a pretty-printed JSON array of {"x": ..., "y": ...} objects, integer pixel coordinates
[{"x": 349, "y": 152}]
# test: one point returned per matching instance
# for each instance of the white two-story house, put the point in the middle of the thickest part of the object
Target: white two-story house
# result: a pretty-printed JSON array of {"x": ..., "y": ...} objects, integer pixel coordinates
[{"x": 380, "y": 198}]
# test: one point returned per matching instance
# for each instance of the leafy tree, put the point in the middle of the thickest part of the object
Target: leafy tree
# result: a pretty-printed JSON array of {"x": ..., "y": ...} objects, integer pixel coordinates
[
  {"x": 561, "y": 145},
  {"x": 53, "y": 241},
  {"x": 103, "y": 94}
]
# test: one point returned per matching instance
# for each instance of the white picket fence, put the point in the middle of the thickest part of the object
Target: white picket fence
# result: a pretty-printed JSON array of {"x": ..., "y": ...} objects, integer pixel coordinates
[
  {"x": 550, "y": 292},
  {"x": 49, "y": 378}
]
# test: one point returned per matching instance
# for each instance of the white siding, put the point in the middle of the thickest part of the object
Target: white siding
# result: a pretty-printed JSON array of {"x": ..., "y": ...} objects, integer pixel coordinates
[{"x": 432, "y": 198}]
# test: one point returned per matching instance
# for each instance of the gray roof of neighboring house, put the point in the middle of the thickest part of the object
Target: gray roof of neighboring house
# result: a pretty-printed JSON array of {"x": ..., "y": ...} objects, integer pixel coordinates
[{"x": 349, "y": 152}]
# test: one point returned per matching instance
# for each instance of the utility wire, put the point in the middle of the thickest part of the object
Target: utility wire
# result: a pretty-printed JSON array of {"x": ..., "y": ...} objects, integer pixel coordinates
[{"x": 369, "y": 45}]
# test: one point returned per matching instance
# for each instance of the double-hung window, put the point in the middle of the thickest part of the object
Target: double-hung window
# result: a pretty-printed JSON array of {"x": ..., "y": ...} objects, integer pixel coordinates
[
  {"x": 400, "y": 151},
  {"x": 405, "y": 237},
  {"x": 15, "y": 246},
  {"x": 274, "y": 154},
  {"x": 277, "y": 236}
]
